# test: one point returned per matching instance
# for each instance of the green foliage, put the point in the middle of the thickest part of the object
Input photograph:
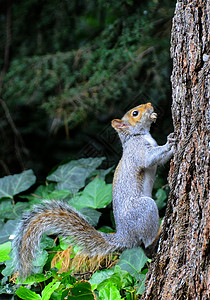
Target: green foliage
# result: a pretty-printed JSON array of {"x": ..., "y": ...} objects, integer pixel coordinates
[
  {"x": 161, "y": 197},
  {"x": 72, "y": 176},
  {"x": 35, "y": 278},
  {"x": 5, "y": 249},
  {"x": 10, "y": 211},
  {"x": 14, "y": 184},
  {"x": 58, "y": 288},
  {"x": 127, "y": 57},
  {"x": 27, "y": 294},
  {"x": 119, "y": 282},
  {"x": 133, "y": 261},
  {"x": 47, "y": 192},
  {"x": 97, "y": 194},
  {"x": 81, "y": 290},
  {"x": 124, "y": 281},
  {"x": 109, "y": 292},
  {"x": 100, "y": 276}
]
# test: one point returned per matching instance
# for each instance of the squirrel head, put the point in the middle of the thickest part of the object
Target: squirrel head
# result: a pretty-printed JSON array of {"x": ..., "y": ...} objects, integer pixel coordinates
[{"x": 136, "y": 121}]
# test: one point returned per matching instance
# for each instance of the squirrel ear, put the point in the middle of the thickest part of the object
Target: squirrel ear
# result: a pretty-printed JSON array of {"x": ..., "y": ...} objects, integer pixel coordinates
[{"x": 119, "y": 124}]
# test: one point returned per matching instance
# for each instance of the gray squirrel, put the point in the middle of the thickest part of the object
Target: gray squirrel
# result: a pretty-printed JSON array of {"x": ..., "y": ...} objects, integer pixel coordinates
[{"x": 135, "y": 212}]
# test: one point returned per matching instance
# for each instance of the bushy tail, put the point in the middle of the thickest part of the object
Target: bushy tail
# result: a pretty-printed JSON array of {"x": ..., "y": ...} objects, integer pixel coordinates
[{"x": 59, "y": 218}]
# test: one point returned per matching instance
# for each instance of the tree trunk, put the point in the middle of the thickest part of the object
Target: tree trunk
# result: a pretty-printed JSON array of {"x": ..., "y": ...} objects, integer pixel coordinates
[{"x": 181, "y": 268}]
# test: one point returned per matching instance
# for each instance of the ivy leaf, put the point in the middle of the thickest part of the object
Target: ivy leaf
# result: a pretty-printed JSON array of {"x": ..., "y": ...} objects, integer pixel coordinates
[
  {"x": 82, "y": 291},
  {"x": 9, "y": 211},
  {"x": 100, "y": 276},
  {"x": 97, "y": 194},
  {"x": 102, "y": 173},
  {"x": 9, "y": 270},
  {"x": 141, "y": 285},
  {"x": 161, "y": 197},
  {"x": 58, "y": 195},
  {"x": 72, "y": 176},
  {"x": 106, "y": 229},
  {"x": 120, "y": 278},
  {"x": 91, "y": 215},
  {"x": 49, "y": 289},
  {"x": 40, "y": 193},
  {"x": 8, "y": 229},
  {"x": 110, "y": 292},
  {"x": 5, "y": 249},
  {"x": 30, "y": 280},
  {"x": 14, "y": 184},
  {"x": 27, "y": 294},
  {"x": 132, "y": 261},
  {"x": 47, "y": 193},
  {"x": 41, "y": 259},
  {"x": 1, "y": 225},
  {"x": 46, "y": 242}
]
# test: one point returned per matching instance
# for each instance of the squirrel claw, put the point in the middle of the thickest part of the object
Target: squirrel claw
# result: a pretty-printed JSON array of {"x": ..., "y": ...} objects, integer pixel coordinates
[{"x": 172, "y": 139}]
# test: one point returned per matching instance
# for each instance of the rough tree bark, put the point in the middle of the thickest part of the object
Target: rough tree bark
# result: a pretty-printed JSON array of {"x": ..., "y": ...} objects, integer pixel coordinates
[{"x": 181, "y": 269}]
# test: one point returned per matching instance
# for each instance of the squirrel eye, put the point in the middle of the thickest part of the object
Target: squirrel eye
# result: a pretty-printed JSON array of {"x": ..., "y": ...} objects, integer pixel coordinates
[{"x": 135, "y": 113}]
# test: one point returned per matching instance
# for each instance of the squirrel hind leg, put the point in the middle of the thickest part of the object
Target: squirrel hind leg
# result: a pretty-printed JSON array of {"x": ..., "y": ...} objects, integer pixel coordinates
[{"x": 151, "y": 250}]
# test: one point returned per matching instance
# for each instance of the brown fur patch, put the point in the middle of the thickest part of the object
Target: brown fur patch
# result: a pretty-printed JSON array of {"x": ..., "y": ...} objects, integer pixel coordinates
[
  {"x": 141, "y": 109},
  {"x": 81, "y": 263}
]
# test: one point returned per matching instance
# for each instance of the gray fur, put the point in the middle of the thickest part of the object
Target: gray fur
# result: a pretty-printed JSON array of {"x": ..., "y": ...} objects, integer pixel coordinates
[{"x": 135, "y": 212}]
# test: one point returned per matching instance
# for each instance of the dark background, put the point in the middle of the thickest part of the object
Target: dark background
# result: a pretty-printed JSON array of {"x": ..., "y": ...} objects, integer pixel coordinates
[{"x": 69, "y": 67}]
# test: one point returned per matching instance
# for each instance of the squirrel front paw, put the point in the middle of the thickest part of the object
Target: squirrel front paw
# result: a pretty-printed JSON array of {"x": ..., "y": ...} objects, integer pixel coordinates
[{"x": 172, "y": 139}]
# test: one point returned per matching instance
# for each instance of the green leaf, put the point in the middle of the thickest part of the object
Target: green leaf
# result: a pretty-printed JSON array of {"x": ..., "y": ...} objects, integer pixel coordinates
[
  {"x": 119, "y": 278},
  {"x": 5, "y": 249},
  {"x": 9, "y": 268},
  {"x": 41, "y": 259},
  {"x": 49, "y": 289},
  {"x": 81, "y": 291},
  {"x": 72, "y": 176},
  {"x": 64, "y": 243},
  {"x": 46, "y": 242},
  {"x": 67, "y": 279},
  {"x": 47, "y": 193},
  {"x": 132, "y": 261},
  {"x": 1, "y": 226},
  {"x": 27, "y": 294},
  {"x": 58, "y": 265},
  {"x": 161, "y": 197},
  {"x": 9, "y": 211},
  {"x": 100, "y": 276},
  {"x": 110, "y": 292},
  {"x": 91, "y": 215},
  {"x": 126, "y": 279},
  {"x": 141, "y": 285},
  {"x": 106, "y": 229},
  {"x": 40, "y": 193},
  {"x": 14, "y": 184},
  {"x": 34, "y": 278},
  {"x": 7, "y": 230},
  {"x": 58, "y": 195},
  {"x": 102, "y": 173},
  {"x": 97, "y": 194}
]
